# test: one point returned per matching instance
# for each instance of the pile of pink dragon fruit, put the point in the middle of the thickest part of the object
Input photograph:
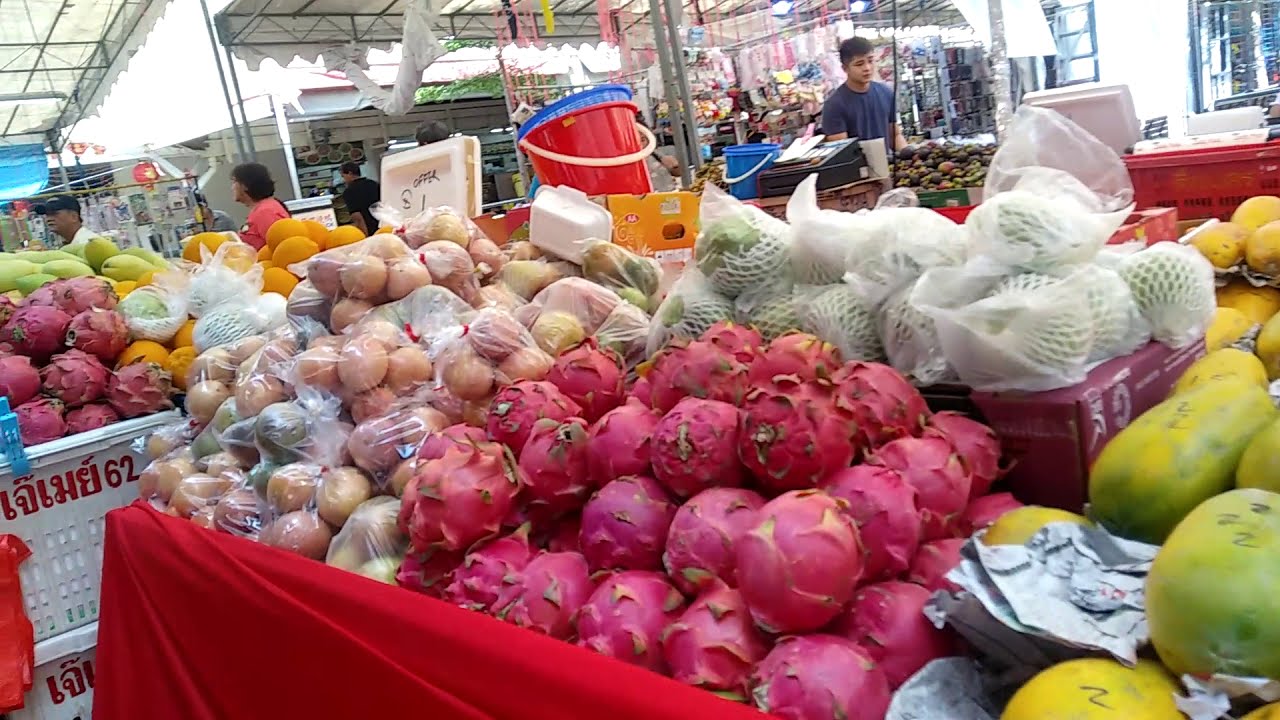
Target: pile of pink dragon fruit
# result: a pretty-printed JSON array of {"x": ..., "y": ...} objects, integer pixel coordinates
[
  {"x": 57, "y": 350},
  {"x": 765, "y": 522}
]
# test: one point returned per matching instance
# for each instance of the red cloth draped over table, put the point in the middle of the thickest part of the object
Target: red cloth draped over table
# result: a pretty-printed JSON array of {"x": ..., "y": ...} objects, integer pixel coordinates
[{"x": 197, "y": 624}]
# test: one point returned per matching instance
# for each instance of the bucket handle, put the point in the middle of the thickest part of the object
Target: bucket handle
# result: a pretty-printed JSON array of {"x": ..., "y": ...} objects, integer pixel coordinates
[
  {"x": 651, "y": 143},
  {"x": 749, "y": 173}
]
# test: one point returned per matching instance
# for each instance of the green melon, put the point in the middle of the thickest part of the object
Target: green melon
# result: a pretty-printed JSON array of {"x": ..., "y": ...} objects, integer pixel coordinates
[{"x": 1213, "y": 593}]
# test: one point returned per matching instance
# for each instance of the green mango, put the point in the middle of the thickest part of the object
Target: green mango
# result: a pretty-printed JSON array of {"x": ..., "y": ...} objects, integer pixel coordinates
[
  {"x": 28, "y": 284},
  {"x": 126, "y": 267},
  {"x": 99, "y": 250},
  {"x": 66, "y": 269},
  {"x": 156, "y": 260},
  {"x": 11, "y": 270}
]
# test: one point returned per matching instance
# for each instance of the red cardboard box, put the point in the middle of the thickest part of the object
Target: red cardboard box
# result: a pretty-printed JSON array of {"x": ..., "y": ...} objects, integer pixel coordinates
[
  {"x": 1053, "y": 437},
  {"x": 1148, "y": 226}
]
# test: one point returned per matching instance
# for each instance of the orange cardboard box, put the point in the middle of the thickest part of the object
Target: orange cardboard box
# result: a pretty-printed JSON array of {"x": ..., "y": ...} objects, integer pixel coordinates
[{"x": 657, "y": 225}]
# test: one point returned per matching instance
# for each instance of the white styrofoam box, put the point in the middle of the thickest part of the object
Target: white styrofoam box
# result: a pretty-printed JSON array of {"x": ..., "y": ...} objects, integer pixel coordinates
[
  {"x": 58, "y": 509},
  {"x": 442, "y": 174},
  {"x": 563, "y": 218},
  {"x": 62, "y": 688}
]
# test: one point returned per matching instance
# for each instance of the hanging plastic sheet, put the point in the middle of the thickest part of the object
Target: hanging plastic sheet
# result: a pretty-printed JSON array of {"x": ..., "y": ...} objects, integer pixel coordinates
[{"x": 24, "y": 169}]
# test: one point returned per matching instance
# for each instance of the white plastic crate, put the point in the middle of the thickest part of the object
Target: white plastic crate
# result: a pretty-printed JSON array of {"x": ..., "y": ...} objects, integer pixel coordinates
[
  {"x": 62, "y": 688},
  {"x": 58, "y": 509}
]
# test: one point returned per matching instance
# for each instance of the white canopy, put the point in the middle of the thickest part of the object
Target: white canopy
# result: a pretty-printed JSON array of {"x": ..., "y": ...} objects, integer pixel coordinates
[{"x": 58, "y": 58}]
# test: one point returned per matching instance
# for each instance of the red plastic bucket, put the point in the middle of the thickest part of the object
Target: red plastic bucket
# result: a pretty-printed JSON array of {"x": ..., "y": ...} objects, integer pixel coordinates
[{"x": 597, "y": 150}]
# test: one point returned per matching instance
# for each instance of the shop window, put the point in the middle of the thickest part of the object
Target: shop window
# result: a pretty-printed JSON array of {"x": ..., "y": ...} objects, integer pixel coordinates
[{"x": 1073, "y": 27}]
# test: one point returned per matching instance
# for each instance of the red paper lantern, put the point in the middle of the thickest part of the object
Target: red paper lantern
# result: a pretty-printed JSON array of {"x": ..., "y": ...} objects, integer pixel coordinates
[
  {"x": 145, "y": 172},
  {"x": 78, "y": 149}
]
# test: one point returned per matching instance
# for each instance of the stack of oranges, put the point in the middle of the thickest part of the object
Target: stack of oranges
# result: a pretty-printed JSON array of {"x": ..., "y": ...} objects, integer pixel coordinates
[{"x": 290, "y": 242}]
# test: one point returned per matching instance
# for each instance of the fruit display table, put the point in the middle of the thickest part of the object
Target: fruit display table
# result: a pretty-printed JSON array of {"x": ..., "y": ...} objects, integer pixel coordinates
[{"x": 199, "y": 625}]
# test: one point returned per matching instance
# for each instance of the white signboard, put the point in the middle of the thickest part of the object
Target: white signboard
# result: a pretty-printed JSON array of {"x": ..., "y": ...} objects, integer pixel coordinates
[{"x": 445, "y": 174}]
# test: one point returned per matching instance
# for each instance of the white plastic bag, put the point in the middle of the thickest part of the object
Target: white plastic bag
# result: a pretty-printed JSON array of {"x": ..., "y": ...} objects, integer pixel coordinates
[
  {"x": 157, "y": 311},
  {"x": 214, "y": 281},
  {"x": 1173, "y": 286},
  {"x": 820, "y": 238},
  {"x": 691, "y": 307},
  {"x": 740, "y": 247},
  {"x": 897, "y": 247}
]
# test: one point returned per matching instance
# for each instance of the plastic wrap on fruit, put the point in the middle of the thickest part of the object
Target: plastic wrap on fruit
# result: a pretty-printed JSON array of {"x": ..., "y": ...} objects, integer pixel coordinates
[
  {"x": 221, "y": 276},
  {"x": 430, "y": 225},
  {"x": 305, "y": 429},
  {"x": 1025, "y": 331},
  {"x": 449, "y": 266},
  {"x": 625, "y": 331},
  {"x": 492, "y": 350},
  {"x": 566, "y": 312},
  {"x": 740, "y": 247},
  {"x": 237, "y": 318},
  {"x": 527, "y": 278},
  {"x": 839, "y": 315},
  {"x": 358, "y": 277},
  {"x": 187, "y": 486},
  {"x": 498, "y": 295},
  {"x": 378, "y": 367},
  {"x": 820, "y": 238},
  {"x": 165, "y": 439},
  {"x": 301, "y": 532},
  {"x": 260, "y": 380},
  {"x": 895, "y": 198},
  {"x": 157, "y": 311},
  {"x": 425, "y": 312},
  {"x": 909, "y": 340},
  {"x": 379, "y": 444},
  {"x": 305, "y": 302},
  {"x": 891, "y": 248},
  {"x": 370, "y": 543},
  {"x": 690, "y": 308},
  {"x": 634, "y": 278},
  {"x": 1172, "y": 286}
]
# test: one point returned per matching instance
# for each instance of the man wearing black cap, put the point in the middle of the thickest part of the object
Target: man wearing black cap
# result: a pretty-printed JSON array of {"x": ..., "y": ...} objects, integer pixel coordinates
[{"x": 62, "y": 213}]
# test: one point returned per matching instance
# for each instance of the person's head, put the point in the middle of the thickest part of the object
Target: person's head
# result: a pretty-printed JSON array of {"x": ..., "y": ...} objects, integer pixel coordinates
[
  {"x": 62, "y": 213},
  {"x": 431, "y": 131},
  {"x": 857, "y": 61},
  {"x": 349, "y": 172},
  {"x": 251, "y": 182}
]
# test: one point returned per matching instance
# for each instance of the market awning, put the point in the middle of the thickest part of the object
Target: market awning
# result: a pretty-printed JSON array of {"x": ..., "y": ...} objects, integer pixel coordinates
[{"x": 58, "y": 58}]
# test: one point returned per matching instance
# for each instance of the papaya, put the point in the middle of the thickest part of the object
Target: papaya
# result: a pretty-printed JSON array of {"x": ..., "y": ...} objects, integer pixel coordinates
[
  {"x": 1258, "y": 304},
  {"x": 1097, "y": 689},
  {"x": 1258, "y": 466},
  {"x": 1267, "y": 347},
  {"x": 1224, "y": 363},
  {"x": 1266, "y": 712},
  {"x": 1018, "y": 526},
  {"x": 1213, "y": 592},
  {"x": 1227, "y": 327},
  {"x": 1174, "y": 457}
]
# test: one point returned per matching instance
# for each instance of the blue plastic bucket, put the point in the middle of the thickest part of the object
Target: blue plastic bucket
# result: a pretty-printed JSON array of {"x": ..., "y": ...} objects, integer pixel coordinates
[
  {"x": 742, "y": 163},
  {"x": 574, "y": 102}
]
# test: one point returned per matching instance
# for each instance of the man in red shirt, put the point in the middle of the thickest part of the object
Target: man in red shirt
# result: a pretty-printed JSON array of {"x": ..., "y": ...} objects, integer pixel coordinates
[{"x": 251, "y": 185}]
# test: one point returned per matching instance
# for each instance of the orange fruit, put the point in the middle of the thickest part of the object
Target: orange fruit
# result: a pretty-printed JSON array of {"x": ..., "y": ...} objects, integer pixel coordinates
[
  {"x": 266, "y": 264},
  {"x": 146, "y": 278},
  {"x": 264, "y": 253},
  {"x": 293, "y": 250},
  {"x": 208, "y": 240},
  {"x": 283, "y": 229},
  {"x": 239, "y": 256},
  {"x": 143, "y": 351},
  {"x": 279, "y": 281},
  {"x": 124, "y": 287},
  {"x": 183, "y": 338},
  {"x": 177, "y": 363},
  {"x": 343, "y": 235},
  {"x": 318, "y": 233},
  {"x": 384, "y": 230}
]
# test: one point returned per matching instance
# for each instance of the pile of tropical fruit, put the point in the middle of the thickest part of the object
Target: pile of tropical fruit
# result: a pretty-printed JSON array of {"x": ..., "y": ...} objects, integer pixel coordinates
[{"x": 22, "y": 273}]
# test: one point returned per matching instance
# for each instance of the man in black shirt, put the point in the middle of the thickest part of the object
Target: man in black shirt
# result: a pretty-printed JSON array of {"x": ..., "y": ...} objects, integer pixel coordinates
[{"x": 360, "y": 195}]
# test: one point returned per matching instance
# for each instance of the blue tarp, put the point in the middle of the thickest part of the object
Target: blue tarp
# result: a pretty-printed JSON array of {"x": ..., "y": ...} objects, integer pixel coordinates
[{"x": 24, "y": 170}]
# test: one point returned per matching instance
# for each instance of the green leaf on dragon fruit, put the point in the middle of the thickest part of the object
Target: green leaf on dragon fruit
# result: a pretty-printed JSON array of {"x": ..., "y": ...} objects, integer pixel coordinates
[
  {"x": 674, "y": 600},
  {"x": 717, "y": 611},
  {"x": 638, "y": 644},
  {"x": 552, "y": 593},
  {"x": 695, "y": 576},
  {"x": 683, "y": 446},
  {"x": 486, "y": 497}
]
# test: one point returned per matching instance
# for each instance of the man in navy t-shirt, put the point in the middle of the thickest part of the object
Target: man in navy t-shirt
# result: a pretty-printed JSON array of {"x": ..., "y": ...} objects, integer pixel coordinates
[{"x": 861, "y": 108}]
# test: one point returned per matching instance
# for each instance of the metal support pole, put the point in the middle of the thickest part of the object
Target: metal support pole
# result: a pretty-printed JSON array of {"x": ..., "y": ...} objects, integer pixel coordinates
[
  {"x": 674, "y": 8},
  {"x": 506, "y": 99},
  {"x": 282, "y": 127},
  {"x": 241, "y": 154},
  {"x": 62, "y": 172},
  {"x": 235, "y": 85},
  {"x": 668, "y": 82},
  {"x": 1001, "y": 86}
]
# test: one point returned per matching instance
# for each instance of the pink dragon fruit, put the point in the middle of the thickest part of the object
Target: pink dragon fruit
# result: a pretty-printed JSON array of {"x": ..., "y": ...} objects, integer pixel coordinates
[
  {"x": 791, "y": 440},
  {"x": 625, "y": 524},
  {"x": 697, "y": 369},
  {"x": 886, "y": 405},
  {"x": 592, "y": 377},
  {"x": 626, "y": 615},
  {"x": 695, "y": 447},
  {"x": 977, "y": 445},
  {"x": 714, "y": 645},
  {"x": 517, "y": 407},
  {"x": 44, "y": 296},
  {"x": 564, "y": 536},
  {"x": 552, "y": 591},
  {"x": 932, "y": 467},
  {"x": 618, "y": 444},
  {"x": 702, "y": 537},
  {"x": 40, "y": 421},
  {"x": 883, "y": 506},
  {"x": 795, "y": 358},
  {"x": 76, "y": 295},
  {"x": 19, "y": 379},
  {"x": 641, "y": 392},
  {"x": 887, "y": 619},
  {"x": 461, "y": 498},
  {"x": 75, "y": 377},
  {"x": 741, "y": 341},
  {"x": 798, "y": 565},
  {"x": 435, "y": 444},
  {"x": 932, "y": 563},
  {"x": 820, "y": 677},
  {"x": 101, "y": 333},
  {"x": 36, "y": 331},
  {"x": 90, "y": 417},
  {"x": 554, "y": 463},
  {"x": 490, "y": 572},
  {"x": 984, "y": 511},
  {"x": 7, "y": 308},
  {"x": 140, "y": 389},
  {"x": 427, "y": 570}
]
